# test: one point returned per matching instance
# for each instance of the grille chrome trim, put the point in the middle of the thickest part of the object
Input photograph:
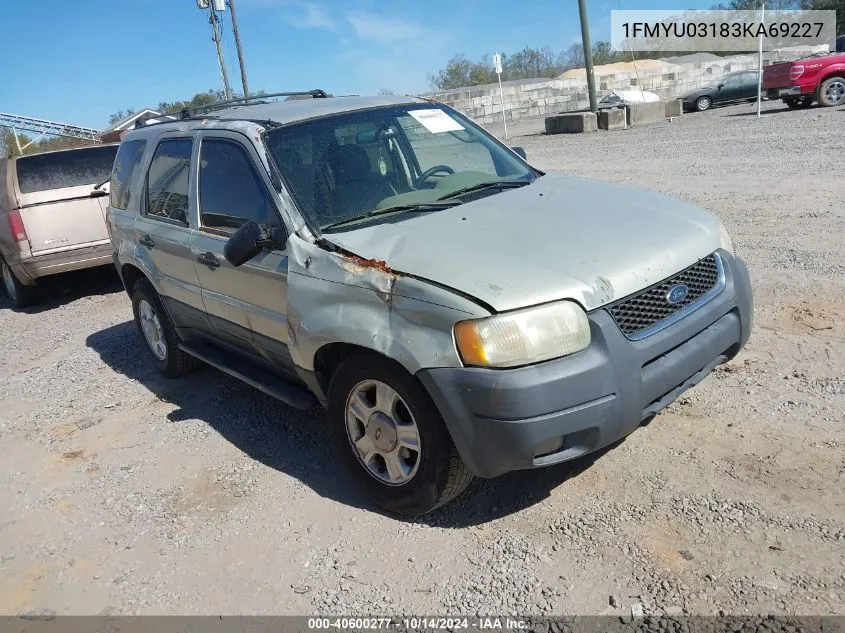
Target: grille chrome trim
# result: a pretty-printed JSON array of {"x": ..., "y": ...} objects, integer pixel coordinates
[{"x": 673, "y": 318}]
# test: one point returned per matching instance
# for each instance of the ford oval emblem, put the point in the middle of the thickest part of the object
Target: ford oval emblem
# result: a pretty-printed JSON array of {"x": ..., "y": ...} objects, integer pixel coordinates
[{"x": 677, "y": 294}]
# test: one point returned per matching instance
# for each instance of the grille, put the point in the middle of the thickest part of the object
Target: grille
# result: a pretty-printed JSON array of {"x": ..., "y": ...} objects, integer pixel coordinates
[{"x": 650, "y": 307}]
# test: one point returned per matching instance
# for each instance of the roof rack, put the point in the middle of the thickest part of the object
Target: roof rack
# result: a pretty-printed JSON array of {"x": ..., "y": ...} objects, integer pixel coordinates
[{"x": 190, "y": 113}]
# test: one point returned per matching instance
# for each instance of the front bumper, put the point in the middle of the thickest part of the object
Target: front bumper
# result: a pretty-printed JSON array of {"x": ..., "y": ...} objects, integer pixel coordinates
[{"x": 503, "y": 420}]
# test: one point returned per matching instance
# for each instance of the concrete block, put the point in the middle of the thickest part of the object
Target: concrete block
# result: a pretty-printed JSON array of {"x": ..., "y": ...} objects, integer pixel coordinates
[
  {"x": 674, "y": 108},
  {"x": 571, "y": 123},
  {"x": 612, "y": 119},
  {"x": 643, "y": 113}
]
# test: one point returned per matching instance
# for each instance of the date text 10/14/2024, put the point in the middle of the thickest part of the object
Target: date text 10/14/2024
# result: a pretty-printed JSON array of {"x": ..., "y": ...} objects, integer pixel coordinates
[{"x": 418, "y": 623}]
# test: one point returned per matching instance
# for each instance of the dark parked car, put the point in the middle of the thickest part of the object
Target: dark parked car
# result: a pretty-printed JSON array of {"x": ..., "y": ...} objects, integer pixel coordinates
[{"x": 732, "y": 88}]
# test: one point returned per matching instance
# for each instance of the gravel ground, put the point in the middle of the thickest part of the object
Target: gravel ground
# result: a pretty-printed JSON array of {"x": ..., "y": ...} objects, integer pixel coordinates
[{"x": 125, "y": 493}]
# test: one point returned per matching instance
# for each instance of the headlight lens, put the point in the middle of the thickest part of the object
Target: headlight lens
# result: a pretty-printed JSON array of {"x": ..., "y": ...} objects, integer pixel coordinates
[
  {"x": 725, "y": 241},
  {"x": 524, "y": 337}
]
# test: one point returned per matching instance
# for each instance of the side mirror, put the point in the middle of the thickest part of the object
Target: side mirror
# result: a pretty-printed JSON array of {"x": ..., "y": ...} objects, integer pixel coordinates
[
  {"x": 244, "y": 244},
  {"x": 721, "y": 86},
  {"x": 249, "y": 240},
  {"x": 519, "y": 151}
]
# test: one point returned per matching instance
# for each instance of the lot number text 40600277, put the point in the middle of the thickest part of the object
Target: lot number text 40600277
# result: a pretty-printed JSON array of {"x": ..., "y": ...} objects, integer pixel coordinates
[{"x": 417, "y": 623}]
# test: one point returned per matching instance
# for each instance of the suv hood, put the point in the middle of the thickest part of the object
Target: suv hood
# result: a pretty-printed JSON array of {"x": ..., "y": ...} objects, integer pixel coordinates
[{"x": 559, "y": 238}]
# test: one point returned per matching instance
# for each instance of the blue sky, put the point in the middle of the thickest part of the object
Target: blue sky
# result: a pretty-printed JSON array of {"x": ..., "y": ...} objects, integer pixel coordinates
[{"x": 77, "y": 62}]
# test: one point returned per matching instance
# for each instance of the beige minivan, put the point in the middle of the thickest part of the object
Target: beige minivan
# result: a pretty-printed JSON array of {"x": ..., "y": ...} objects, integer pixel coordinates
[{"x": 52, "y": 216}]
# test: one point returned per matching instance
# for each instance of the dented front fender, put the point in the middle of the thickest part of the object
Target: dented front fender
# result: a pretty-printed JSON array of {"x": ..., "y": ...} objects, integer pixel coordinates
[{"x": 339, "y": 297}]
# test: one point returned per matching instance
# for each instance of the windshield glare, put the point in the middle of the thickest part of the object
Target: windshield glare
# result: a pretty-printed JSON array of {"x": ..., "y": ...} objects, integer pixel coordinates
[{"x": 342, "y": 167}]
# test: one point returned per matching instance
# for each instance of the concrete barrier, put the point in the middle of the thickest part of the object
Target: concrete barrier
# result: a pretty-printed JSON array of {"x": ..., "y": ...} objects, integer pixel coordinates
[
  {"x": 674, "y": 108},
  {"x": 571, "y": 123},
  {"x": 643, "y": 113},
  {"x": 612, "y": 119}
]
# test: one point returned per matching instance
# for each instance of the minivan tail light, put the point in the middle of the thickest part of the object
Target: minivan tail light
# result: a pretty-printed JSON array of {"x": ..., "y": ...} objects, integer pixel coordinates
[
  {"x": 796, "y": 71},
  {"x": 16, "y": 225}
]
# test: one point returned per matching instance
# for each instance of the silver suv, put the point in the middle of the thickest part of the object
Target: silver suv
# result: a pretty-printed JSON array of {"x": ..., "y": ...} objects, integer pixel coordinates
[{"x": 457, "y": 311}]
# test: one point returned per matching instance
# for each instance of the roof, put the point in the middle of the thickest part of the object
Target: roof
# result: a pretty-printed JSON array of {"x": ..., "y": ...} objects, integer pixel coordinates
[{"x": 299, "y": 109}]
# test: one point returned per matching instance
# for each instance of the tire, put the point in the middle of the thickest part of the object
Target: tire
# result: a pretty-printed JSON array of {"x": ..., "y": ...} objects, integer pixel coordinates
[
  {"x": 20, "y": 295},
  {"x": 164, "y": 346},
  {"x": 798, "y": 103},
  {"x": 434, "y": 473},
  {"x": 832, "y": 92},
  {"x": 703, "y": 103}
]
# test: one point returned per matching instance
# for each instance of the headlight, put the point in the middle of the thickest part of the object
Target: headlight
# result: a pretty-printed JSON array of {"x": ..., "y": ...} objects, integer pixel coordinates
[
  {"x": 725, "y": 239},
  {"x": 524, "y": 336}
]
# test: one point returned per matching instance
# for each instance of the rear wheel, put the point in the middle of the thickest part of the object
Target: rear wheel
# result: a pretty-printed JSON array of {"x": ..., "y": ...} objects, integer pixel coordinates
[
  {"x": 158, "y": 332},
  {"x": 388, "y": 434},
  {"x": 832, "y": 92},
  {"x": 703, "y": 103},
  {"x": 21, "y": 296},
  {"x": 798, "y": 103}
]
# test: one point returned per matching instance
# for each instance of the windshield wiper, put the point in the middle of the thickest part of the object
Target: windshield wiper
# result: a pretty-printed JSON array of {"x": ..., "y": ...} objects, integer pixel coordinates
[
  {"x": 494, "y": 184},
  {"x": 432, "y": 205}
]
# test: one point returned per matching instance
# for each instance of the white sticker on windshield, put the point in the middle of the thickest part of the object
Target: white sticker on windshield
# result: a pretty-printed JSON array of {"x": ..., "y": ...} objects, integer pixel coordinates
[{"x": 436, "y": 120}]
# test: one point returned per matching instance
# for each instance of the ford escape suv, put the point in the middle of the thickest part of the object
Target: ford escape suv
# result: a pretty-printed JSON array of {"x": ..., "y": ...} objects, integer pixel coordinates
[
  {"x": 457, "y": 311},
  {"x": 52, "y": 216}
]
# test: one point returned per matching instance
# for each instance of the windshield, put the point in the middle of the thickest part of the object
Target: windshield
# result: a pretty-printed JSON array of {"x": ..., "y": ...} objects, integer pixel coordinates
[{"x": 347, "y": 166}]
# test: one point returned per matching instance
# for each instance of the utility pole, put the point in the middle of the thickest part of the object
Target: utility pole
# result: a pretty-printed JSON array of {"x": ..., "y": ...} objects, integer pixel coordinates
[
  {"x": 588, "y": 55},
  {"x": 239, "y": 47},
  {"x": 217, "y": 38},
  {"x": 760, "y": 63}
]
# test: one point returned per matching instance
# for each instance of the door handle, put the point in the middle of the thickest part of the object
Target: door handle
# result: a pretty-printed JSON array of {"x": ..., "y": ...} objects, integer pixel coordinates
[
  {"x": 208, "y": 259},
  {"x": 147, "y": 241}
]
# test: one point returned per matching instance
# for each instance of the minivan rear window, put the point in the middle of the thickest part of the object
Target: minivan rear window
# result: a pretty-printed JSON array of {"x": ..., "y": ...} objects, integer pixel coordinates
[{"x": 71, "y": 168}]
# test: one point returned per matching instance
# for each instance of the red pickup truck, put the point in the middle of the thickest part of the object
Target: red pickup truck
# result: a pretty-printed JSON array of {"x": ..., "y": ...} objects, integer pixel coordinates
[{"x": 801, "y": 83}]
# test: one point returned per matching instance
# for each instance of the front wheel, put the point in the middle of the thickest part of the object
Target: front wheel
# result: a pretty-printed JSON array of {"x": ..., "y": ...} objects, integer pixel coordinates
[
  {"x": 832, "y": 92},
  {"x": 21, "y": 296},
  {"x": 703, "y": 103},
  {"x": 388, "y": 434}
]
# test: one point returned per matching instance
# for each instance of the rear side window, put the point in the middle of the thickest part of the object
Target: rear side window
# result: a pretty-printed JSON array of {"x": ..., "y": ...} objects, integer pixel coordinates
[
  {"x": 71, "y": 168},
  {"x": 125, "y": 172},
  {"x": 231, "y": 192},
  {"x": 167, "y": 180}
]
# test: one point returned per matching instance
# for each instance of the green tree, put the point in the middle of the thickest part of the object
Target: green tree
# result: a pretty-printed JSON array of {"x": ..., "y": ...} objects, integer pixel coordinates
[
  {"x": 604, "y": 54},
  {"x": 753, "y": 5},
  {"x": 829, "y": 5},
  {"x": 456, "y": 74}
]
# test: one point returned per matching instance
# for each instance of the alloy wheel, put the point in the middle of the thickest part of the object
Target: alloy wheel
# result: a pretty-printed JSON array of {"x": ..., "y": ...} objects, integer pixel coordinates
[
  {"x": 383, "y": 432},
  {"x": 151, "y": 327}
]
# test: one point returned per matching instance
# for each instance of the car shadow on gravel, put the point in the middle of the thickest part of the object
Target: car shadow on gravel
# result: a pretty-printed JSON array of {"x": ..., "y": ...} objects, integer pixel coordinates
[
  {"x": 294, "y": 441},
  {"x": 281, "y": 437},
  {"x": 753, "y": 112},
  {"x": 58, "y": 290},
  {"x": 488, "y": 499}
]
